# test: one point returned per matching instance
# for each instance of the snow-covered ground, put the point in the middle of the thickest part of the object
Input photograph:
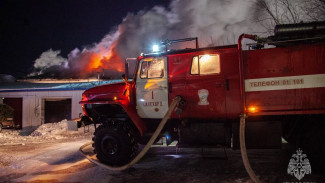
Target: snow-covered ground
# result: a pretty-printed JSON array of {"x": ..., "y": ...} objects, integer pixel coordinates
[
  {"x": 44, "y": 133},
  {"x": 50, "y": 146},
  {"x": 50, "y": 154}
]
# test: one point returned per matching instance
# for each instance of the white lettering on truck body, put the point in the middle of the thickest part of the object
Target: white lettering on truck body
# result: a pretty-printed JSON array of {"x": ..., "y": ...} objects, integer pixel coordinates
[{"x": 285, "y": 83}]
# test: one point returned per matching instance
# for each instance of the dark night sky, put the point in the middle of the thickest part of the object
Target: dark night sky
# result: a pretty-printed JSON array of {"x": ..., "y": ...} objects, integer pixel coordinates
[{"x": 30, "y": 27}]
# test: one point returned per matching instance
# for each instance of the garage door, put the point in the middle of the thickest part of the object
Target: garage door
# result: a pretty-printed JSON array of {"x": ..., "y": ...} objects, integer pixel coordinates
[
  {"x": 17, "y": 105},
  {"x": 57, "y": 110}
]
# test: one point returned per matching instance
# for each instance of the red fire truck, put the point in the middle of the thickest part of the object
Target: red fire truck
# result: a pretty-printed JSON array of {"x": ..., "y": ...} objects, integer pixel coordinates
[{"x": 277, "y": 83}]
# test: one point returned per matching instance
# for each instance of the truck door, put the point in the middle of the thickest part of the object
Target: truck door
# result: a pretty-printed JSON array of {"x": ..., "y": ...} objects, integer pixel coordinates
[
  {"x": 206, "y": 87},
  {"x": 152, "y": 88}
]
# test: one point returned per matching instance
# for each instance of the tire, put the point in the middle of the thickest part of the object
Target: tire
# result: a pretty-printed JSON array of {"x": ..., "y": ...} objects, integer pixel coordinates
[{"x": 114, "y": 144}]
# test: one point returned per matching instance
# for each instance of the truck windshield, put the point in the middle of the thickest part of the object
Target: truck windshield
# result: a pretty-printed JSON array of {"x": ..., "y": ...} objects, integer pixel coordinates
[{"x": 152, "y": 68}]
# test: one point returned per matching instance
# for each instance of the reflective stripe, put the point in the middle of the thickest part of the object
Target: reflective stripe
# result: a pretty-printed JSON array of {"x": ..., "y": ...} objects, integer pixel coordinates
[{"x": 285, "y": 83}]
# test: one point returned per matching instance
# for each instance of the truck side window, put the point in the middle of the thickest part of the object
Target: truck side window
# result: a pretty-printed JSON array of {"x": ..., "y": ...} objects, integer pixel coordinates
[
  {"x": 206, "y": 64},
  {"x": 152, "y": 69}
]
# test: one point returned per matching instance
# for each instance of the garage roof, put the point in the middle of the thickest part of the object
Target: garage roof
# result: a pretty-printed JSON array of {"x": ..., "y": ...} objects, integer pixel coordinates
[{"x": 31, "y": 86}]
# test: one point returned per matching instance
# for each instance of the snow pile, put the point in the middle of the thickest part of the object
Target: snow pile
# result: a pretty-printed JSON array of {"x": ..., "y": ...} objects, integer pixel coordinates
[
  {"x": 6, "y": 136},
  {"x": 44, "y": 133},
  {"x": 51, "y": 129}
]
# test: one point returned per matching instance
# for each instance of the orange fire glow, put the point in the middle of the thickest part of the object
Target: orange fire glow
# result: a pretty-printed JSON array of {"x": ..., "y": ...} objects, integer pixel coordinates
[
  {"x": 95, "y": 61},
  {"x": 105, "y": 59}
]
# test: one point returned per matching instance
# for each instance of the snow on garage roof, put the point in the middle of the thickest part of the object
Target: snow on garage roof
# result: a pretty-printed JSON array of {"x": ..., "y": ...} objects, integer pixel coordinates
[{"x": 22, "y": 86}]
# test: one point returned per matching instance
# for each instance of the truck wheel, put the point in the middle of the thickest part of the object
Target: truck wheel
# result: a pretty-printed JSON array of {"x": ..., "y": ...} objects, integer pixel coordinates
[{"x": 114, "y": 144}]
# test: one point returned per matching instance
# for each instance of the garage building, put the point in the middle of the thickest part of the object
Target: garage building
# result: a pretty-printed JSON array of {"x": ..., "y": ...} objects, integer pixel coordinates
[{"x": 45, "y": 101}]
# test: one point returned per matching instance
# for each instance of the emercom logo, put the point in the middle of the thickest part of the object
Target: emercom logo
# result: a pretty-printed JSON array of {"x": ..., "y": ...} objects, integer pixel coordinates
[{"x": 299, "y": 165}]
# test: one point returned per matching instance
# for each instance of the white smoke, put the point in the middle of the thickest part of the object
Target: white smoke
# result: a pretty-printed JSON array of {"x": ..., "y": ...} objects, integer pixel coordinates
[
  {"x": 47, "y": 60},
  {"x": 214, "y": 22}
]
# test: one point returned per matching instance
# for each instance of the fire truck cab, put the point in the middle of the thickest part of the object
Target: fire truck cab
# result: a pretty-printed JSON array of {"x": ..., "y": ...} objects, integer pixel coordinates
[{"x": 196, "y": 76}]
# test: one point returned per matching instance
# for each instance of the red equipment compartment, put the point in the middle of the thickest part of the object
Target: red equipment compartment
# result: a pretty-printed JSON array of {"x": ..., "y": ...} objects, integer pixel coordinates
[
  {"x": 288, "y": 80},
  {"x": 224, "y": 96}
]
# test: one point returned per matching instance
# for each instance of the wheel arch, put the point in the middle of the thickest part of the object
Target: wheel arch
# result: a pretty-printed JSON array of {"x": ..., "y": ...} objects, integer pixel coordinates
[{"x": 130, "y": 111}]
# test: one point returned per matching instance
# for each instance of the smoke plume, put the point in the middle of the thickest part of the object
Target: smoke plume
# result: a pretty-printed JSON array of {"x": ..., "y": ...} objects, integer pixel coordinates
[
  {"x": 49, "y": 61},
  {"x": 214, "y": 22}
]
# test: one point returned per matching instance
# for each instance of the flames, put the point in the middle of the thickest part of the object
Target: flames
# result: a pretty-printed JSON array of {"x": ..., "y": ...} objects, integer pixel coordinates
[
  {"x": 95, "y": 61},
  {"x": 104, "y": 59}
]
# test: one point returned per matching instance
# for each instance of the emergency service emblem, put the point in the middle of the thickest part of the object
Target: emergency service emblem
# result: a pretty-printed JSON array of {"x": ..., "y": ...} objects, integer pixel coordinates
[
  {"x": 299, "y": 165},
  {"x": 203, "y": 96}
]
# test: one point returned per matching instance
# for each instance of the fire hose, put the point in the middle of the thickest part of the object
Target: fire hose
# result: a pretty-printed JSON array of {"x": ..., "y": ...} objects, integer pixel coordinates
[
  {"x": 175, "y": 102},
  {"x": 243, "y": 152}
]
